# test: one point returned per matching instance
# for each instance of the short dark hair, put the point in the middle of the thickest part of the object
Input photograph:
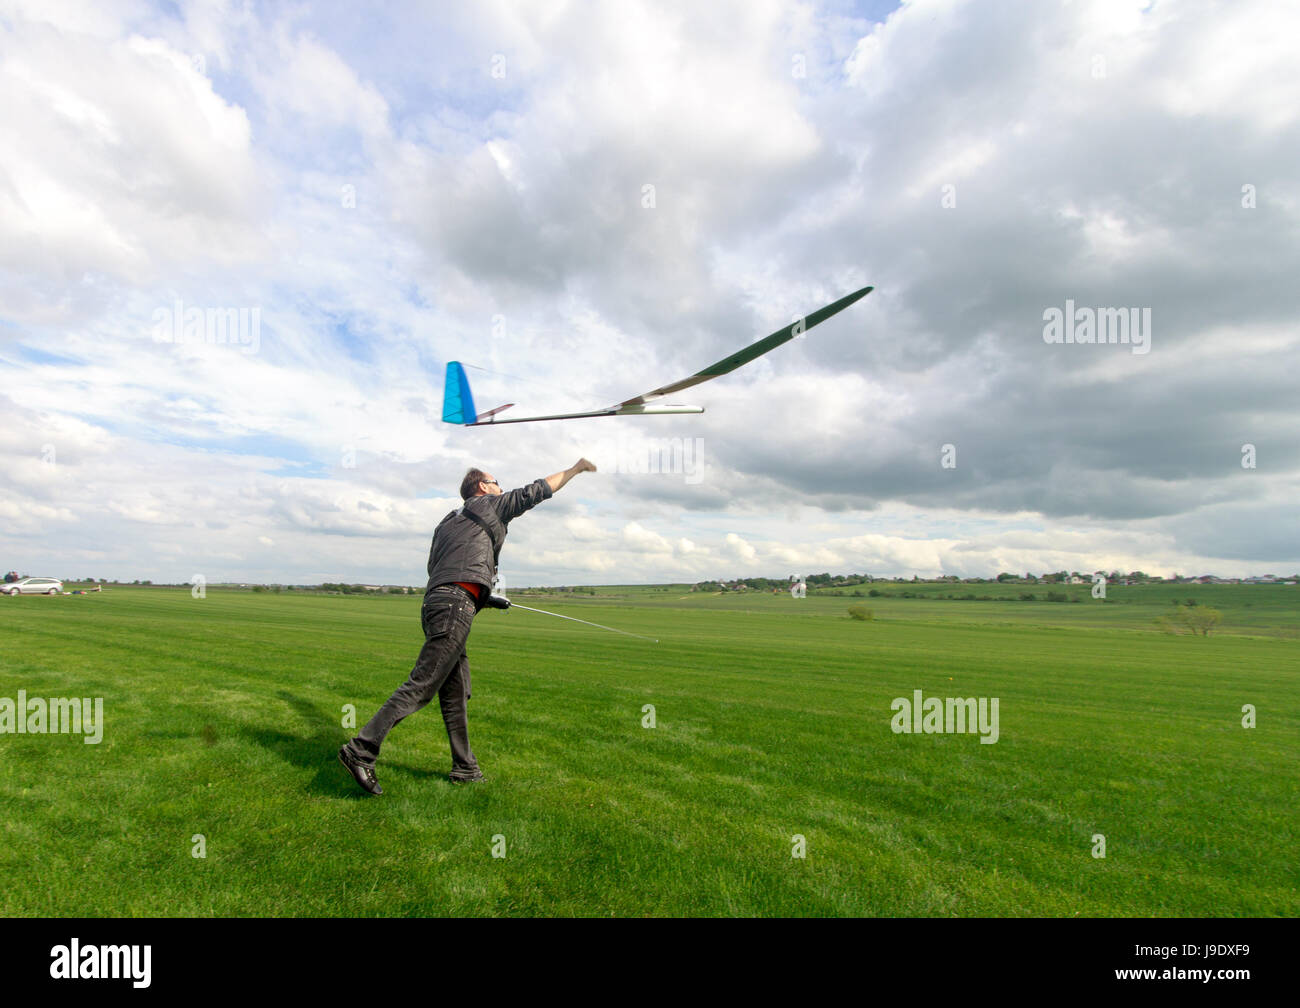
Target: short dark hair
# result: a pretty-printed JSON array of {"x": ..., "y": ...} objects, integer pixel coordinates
[{"x": 469, "y": 485}]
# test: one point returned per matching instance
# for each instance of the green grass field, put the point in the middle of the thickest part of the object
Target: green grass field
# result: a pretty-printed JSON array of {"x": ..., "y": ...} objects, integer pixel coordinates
[{"x": 223, "y": 715}]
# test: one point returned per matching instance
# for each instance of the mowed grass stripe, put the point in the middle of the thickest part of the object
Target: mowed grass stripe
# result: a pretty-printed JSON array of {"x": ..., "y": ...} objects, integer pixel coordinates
[{"x": 224, "y": 715}]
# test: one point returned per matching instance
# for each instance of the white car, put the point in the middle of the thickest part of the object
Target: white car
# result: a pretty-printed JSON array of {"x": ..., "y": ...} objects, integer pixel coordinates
[{"x": 33, "y": 586}]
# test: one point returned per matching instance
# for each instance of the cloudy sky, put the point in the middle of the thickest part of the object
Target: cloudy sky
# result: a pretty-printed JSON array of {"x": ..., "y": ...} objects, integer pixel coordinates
[{"x": 587, "y": 200}]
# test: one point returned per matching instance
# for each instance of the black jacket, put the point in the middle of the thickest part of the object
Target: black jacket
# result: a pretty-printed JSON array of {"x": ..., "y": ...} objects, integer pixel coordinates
[{"x": 463, "y": 551}]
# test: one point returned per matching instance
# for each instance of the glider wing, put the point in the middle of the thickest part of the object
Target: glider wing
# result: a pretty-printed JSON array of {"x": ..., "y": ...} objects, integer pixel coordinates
[{"x": 753, "y": 351}]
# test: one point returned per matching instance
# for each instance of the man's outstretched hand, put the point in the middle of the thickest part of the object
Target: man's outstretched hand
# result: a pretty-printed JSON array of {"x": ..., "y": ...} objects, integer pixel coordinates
[{"x": 556, "y": 480}]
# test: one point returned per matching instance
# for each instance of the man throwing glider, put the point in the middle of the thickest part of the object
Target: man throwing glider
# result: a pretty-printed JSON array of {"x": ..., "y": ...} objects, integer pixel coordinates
[{"x": 462, "y": 568}]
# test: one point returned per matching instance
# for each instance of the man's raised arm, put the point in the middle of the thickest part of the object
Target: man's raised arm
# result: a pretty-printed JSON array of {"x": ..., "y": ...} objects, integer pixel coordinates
[
  {"x": 557, "y": 480},
  {"x": 513, "y": 503}
]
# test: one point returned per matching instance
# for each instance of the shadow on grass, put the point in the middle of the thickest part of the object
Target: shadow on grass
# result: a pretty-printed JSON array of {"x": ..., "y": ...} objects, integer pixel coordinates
[{"x": 318, "y": 751}]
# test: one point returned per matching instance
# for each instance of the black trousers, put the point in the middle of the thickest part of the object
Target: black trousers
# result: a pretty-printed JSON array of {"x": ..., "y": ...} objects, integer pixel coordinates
[{"x": 442, "y": 668}]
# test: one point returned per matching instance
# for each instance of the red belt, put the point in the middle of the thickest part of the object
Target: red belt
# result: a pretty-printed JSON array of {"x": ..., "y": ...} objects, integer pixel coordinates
[{"x": 473, "y": 589}]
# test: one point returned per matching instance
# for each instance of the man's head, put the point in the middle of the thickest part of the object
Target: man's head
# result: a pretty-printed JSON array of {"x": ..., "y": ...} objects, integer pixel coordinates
[{"x": 477, "y": 483}]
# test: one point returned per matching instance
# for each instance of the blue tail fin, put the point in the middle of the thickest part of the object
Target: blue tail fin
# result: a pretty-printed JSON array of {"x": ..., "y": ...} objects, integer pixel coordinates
[{"x": 457, "y": 402}]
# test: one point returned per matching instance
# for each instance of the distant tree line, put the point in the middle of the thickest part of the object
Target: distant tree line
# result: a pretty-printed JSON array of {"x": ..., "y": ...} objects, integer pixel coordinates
[
  {"x": 823, "y": 580},
  {"x": 358, "y": 589}
]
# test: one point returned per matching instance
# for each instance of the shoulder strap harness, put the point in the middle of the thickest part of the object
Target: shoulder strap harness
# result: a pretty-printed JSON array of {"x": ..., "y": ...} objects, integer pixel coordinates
[{"x": 496, "y": 546}]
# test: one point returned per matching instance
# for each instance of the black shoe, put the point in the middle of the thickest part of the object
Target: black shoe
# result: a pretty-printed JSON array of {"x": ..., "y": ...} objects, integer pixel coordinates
[
  {"x": 460, "y": 777},
  {"x": 363, "y": 774}
]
